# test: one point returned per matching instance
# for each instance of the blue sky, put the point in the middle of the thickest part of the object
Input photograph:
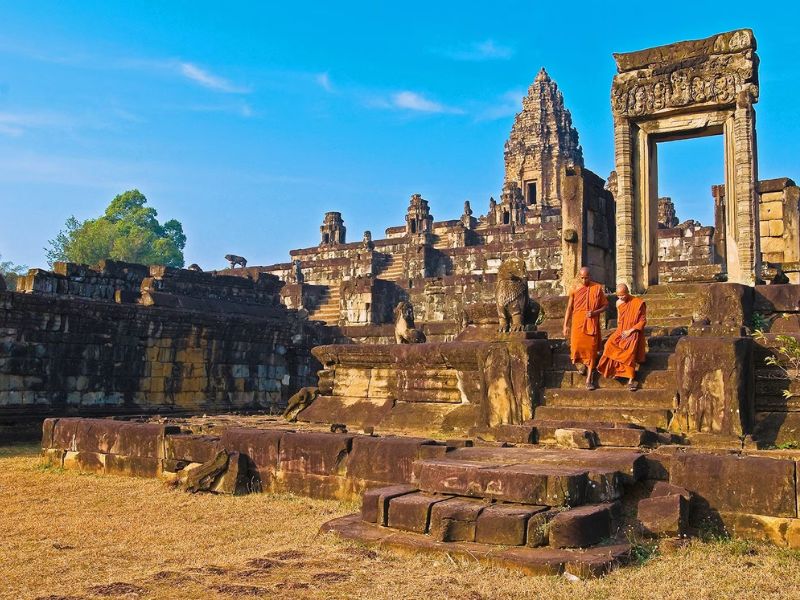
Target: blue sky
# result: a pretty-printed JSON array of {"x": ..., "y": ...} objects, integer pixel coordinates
[{"x": 247, "y": 121}]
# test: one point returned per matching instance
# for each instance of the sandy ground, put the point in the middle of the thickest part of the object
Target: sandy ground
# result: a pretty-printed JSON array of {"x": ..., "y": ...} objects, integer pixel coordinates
[{"x": 69, "y": 536}]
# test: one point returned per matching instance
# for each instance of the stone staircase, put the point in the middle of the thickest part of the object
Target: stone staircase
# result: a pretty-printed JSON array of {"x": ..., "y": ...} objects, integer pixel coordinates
[
  {"x": 328, "y": 309},
  {"x": 391, "y": 269},
  {"x": 613, "y": 415},
  {"x": 544, "y": 511}
]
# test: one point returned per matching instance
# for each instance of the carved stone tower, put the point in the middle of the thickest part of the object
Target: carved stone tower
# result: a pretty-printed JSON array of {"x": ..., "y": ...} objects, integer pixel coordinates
[
  {"x": 542, "y": 144},
  {"x": 332, "y": 229},
  {"x": 418, "y": 217},
  {"x": 511, "y": 210}
]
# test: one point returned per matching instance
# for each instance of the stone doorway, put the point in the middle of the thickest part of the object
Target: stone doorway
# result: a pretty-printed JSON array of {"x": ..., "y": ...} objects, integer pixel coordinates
[{"x": 680, "y": 91}]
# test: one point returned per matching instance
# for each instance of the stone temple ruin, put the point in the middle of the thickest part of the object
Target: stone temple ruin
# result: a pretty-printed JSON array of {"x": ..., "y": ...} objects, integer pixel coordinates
[{"x": 482, "y": 439}]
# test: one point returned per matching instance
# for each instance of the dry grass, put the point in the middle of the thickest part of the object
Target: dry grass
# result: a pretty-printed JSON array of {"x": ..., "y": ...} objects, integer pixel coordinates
[{"x": 65, "y": 535}]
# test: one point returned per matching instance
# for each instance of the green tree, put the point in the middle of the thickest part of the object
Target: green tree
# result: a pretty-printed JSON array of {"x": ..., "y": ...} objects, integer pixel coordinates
[
  {"x": 10, "y": 272},
  {"x": 128, "y": 231}
]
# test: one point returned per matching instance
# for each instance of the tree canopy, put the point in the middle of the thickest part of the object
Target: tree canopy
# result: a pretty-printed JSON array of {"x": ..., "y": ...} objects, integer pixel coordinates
[
  {"x": 10, "y": 272},
  {"x": 128, "y": 231}
]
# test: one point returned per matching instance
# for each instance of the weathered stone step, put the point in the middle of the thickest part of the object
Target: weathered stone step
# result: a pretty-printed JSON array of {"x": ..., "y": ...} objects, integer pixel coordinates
[
  {"x": 674, "y": 289},
  {"x": 646, "y": 417},
  {"x": 623, "y": 435},
  {"x": 629, "y": 463},
  {"x": 648, "y": 379},
  {"x": 532, "y": 484},
  {"x": 599, "y": 398},
  {"x": 654, "y": 361},
  {"x": 591, "y": 562}
]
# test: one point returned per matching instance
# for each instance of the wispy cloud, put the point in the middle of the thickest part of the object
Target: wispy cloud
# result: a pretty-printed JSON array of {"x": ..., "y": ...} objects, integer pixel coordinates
[
  {"x": 324, "y": 81},
  {"x": 507, "y": 105},
  {"x": 208, "y": 80},
  {"x": 15, "y": 124},
  {"x": 242, "y": 109},
  {"x": 479, "y": 51},
  {"x": 412, "y": 101}
]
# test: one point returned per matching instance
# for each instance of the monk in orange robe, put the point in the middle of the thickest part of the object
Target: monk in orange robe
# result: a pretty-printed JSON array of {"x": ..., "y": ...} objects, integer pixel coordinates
[
  {"x": 586, "y": 303},
  {"x": 625, "y": 348}
]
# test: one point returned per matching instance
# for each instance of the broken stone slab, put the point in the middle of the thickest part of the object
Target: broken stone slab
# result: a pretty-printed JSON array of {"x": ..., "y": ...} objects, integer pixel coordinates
[
  {"x": 504, "y": 524},
  {"x": 315, "y": 453},
  {"x": 581, "y": 527},
  {"x": 375, "y": 502},
  {"x": 664, "y": 488},
  {"x": 538, "y": 533},
  {"x": 412, "y": 512},
  {"x": 455, "y": 520},
  {"x": 664, "y": 515},
  {"x": 201, "y": 478}
]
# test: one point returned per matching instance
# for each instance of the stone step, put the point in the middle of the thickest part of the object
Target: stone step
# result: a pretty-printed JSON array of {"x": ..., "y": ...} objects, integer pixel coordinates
[
  {"x": 630, "y": 464},
  {"x": 605, "y": 398},
  {"x": 648, "y": 379},
  {"x": 622, "y": 435},
  {"x": 674, "y": 289},
  {"x": 654, "y": 361},
  {"x": 531, "y": 484},
  {"x": 591, "y": 562},
  {"x": 646, "y": 417}
]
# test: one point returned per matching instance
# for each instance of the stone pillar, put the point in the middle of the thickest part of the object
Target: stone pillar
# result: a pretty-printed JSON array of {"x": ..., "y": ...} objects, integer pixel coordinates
[
  {"x": 626, "y": 236},
  {"x": 745, "y": 200}
]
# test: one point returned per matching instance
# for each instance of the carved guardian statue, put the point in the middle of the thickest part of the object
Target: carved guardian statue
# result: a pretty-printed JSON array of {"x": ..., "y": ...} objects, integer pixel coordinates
[
  {"x": 236, "y": 260},
  {"x": 404, "y": 330},
  {"x": 299, "y": 402},
  {"x": 511, "y": 295}
]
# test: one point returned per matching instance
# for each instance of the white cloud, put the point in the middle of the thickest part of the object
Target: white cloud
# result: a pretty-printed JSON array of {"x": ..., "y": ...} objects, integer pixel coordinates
[
  {"x": 507, "y": 105},
  {"x": 324, "y": 81},
  {"x": 408, "y": 100},
  {"x": 479, "y": 51},
  {"x": 209, "y": 80},
  {"x": 15, "y": 124}
]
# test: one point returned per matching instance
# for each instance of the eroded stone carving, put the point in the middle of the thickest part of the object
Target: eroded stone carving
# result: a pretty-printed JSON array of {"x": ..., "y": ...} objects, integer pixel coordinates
[
  {"x": 235, "y": 260},
  {"x": 511, "y": 295},
  {"x": 299, "y": 402},
  {"x": 713, "y": 71},
  {"x": 404, "y": 330}
]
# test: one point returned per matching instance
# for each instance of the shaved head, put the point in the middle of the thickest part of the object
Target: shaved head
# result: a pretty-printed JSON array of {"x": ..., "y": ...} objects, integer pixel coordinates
[
  {"x": 623, "y": 288},
  {"x": 585, "y": 275}
]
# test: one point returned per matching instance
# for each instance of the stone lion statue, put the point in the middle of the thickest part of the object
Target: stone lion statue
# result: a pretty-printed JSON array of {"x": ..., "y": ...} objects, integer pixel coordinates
[
  {"x": 299, "y": 402},
  {"x": 514, "y": 307},
  {"x": 195, "y": 267},
  {"x": 236, "y": 260},
  {"x": 404, "y": 330}
]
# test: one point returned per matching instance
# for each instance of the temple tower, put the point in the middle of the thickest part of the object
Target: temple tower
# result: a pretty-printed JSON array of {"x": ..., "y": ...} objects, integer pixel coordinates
[
  {"x": 542, "y": 144},
  {"x": 332, "y": 229},
  {"x": 418, "y": 217}
]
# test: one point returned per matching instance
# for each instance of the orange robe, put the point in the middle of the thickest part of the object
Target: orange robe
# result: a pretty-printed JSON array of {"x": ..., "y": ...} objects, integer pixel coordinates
[
  {"x": 584, "y": 340},
  {"x": 621, "y": 356}
]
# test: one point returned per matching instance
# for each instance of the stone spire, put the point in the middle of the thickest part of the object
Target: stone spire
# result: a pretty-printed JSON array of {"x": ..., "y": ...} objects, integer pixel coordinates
[{"x": 542, "y": 144}]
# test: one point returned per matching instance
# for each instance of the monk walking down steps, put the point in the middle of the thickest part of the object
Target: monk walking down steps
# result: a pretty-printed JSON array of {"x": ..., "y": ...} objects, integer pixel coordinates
[
  {"x": 625, "y": 350},
  {"x": 586, "y": 303}
]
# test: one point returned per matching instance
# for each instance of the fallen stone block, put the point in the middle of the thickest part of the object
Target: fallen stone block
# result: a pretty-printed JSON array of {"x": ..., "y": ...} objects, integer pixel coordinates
[
  {"x": 664, "y": 515},
  {"x": 514, "y": 434},
  {"x": 663, "y": 488},
  {"x": 455, "y": 520},
  {"x": 375, "y": 502},
  {"x": 203, "y": 477},
  {"x": 412, "y": 512},
  {"x": 581, "y": 527},
  {"x": 505, "y": 524},
  {"x": 261, "y": 447}
]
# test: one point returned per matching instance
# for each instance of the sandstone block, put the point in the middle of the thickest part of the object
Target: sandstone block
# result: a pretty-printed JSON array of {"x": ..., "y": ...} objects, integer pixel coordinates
[
  {"x": 315, "y": 453},
  {"x": 455, "y": 520},
  {"x": 261, "y": 447},
  {"x": 375, "y": 502},
  {"x": 752, "y": 484},
  {"x": 192, "y": 448},
  {"x": 412, "y": 512},
  {"x": 505, "y": 524},
  {"x": 664, "y": 515},
  {"x": 581, "y": 527},
  {"x": 538, "y": 533},
  {"x": 575, "y": 438},
  {"x": 385, "y": 459}
]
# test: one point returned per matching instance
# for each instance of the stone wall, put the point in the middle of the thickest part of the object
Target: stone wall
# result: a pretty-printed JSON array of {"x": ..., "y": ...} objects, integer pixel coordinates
[{"x": 184, "y": 342}]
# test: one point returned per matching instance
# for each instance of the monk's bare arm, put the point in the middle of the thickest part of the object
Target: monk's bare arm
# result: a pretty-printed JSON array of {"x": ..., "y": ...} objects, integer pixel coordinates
[{"x": 567, "y": 316}]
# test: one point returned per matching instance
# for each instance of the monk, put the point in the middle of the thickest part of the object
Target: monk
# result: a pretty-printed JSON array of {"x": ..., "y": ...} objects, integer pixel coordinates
[
  {"x": 586, "y": 303},
  {"x": 625, "y": 350}
]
